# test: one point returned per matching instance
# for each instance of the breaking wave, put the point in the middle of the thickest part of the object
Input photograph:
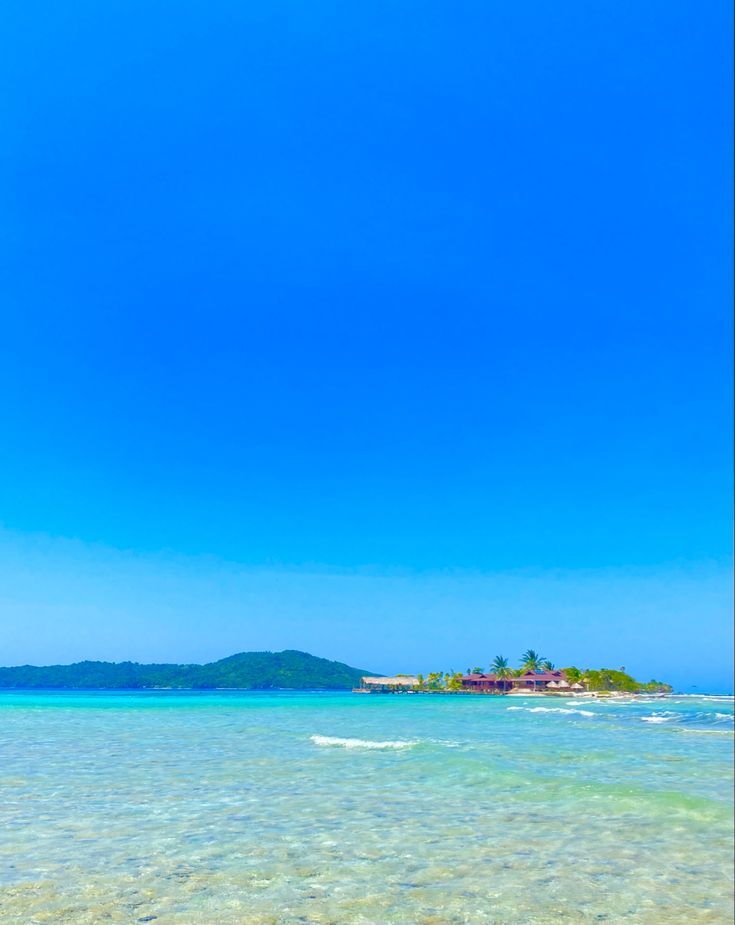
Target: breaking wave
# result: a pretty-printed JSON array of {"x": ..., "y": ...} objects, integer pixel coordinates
[
  {"x": 701, "y": 717},
  {"x": 724, "y": 698},
  {"x": 359, "y": 743},
  {"x": 553, "y": 710}
]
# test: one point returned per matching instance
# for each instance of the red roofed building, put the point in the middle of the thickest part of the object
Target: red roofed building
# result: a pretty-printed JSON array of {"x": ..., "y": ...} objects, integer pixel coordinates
[
  {"x": 486, "y": 683},
  {"x": 529, "y": 680},
  {"x": 538, "y": 680}
]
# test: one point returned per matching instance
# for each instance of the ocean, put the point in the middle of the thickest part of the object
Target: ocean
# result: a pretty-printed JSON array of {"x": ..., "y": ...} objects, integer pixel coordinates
[{"x": 218, "y": 808}]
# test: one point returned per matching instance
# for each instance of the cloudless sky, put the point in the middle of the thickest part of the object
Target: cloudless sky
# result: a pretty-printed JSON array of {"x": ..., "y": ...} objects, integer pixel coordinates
[{"x": 425, "y": 293}]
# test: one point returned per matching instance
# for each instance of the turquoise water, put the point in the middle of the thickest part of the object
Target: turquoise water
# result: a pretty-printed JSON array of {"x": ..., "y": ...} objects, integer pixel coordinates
[{"x": 219, "y": 808}]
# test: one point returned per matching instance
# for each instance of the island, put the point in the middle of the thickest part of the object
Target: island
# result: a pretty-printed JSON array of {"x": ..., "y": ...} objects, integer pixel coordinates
[
  {"x": 290, "y": 670},
  {"x": 535, "y": 675},
  {"x": 295, "y": 670}
]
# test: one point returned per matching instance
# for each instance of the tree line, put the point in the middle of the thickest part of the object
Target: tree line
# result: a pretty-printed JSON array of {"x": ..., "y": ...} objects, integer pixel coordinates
[{"x": 602, "y": 679}]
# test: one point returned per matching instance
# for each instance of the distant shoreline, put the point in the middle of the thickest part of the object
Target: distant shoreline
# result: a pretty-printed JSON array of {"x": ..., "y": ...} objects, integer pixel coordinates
[
  {"x": 589, "y": 695},
  {"x": 286, "y": 670}
]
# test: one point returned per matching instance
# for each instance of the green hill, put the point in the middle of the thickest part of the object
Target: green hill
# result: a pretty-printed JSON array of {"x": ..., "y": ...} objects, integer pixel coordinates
[{"x": 247, "y": 670}]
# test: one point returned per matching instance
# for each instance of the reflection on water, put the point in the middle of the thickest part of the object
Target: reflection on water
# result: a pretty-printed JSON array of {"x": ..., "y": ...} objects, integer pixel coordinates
[{"x": 186, "y": 809}]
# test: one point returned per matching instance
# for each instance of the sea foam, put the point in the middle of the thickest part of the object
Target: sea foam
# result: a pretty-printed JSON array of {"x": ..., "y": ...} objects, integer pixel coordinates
[
  {"x": 553, "y": 710},
  {"x": 359, "y": 743},
  {"x": 705, "y": 717}
]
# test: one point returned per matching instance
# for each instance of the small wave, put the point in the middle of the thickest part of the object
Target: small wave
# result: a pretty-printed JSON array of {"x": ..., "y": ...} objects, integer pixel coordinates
[
  {"x": 727, "y": 698},
  {"x": 608, "y": 702},
  {"x": 553, "y": 710},
  {"x": 359, "y": 743},
  {"x": 663, "y": 716},
  {"x": 702, "y": 717}
]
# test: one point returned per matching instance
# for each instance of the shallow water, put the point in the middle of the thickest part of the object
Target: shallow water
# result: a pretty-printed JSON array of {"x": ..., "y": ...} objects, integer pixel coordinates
[{"x": 247, "y": 808}]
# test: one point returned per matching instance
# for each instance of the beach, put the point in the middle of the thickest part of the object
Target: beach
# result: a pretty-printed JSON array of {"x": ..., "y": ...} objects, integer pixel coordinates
[{"x": 286, "y": 807}]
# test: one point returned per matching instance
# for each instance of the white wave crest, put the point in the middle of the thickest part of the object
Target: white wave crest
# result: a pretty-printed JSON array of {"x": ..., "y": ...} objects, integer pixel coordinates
[
  {"x": 359, "y": 743},
  {"x": 553, "y": 710},
  {"x": 725, "y": 698},
  {"x": 669, "y": 716}
]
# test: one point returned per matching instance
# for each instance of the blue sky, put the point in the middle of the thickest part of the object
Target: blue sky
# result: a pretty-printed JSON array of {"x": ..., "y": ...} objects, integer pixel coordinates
[{"x": 423, "y": 297}]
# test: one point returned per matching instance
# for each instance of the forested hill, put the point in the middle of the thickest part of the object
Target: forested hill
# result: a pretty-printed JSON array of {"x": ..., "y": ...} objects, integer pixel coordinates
[{"x": 248, "y": 670}]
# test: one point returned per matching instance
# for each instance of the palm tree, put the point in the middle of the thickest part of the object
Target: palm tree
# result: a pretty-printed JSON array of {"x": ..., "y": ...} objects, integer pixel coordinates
[
  {"x": 475, "y": 671},
  {"x": 531, "y": 660},
  {"x": 501, "y": 670},
  {"x": 547, "y": 665}
]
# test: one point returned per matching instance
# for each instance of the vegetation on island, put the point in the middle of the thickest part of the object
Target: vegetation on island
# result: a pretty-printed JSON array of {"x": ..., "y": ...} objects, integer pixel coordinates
[
  {"x": 290, "y": 670},
  {"x": 599, "y": 680},
  {"x": 246, "y": 671},
  {"x": 609, "y": 679}
]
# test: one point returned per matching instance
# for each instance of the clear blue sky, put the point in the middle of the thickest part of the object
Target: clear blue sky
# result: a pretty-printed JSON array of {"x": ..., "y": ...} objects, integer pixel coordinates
[{"x": 333, "y": 320}]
